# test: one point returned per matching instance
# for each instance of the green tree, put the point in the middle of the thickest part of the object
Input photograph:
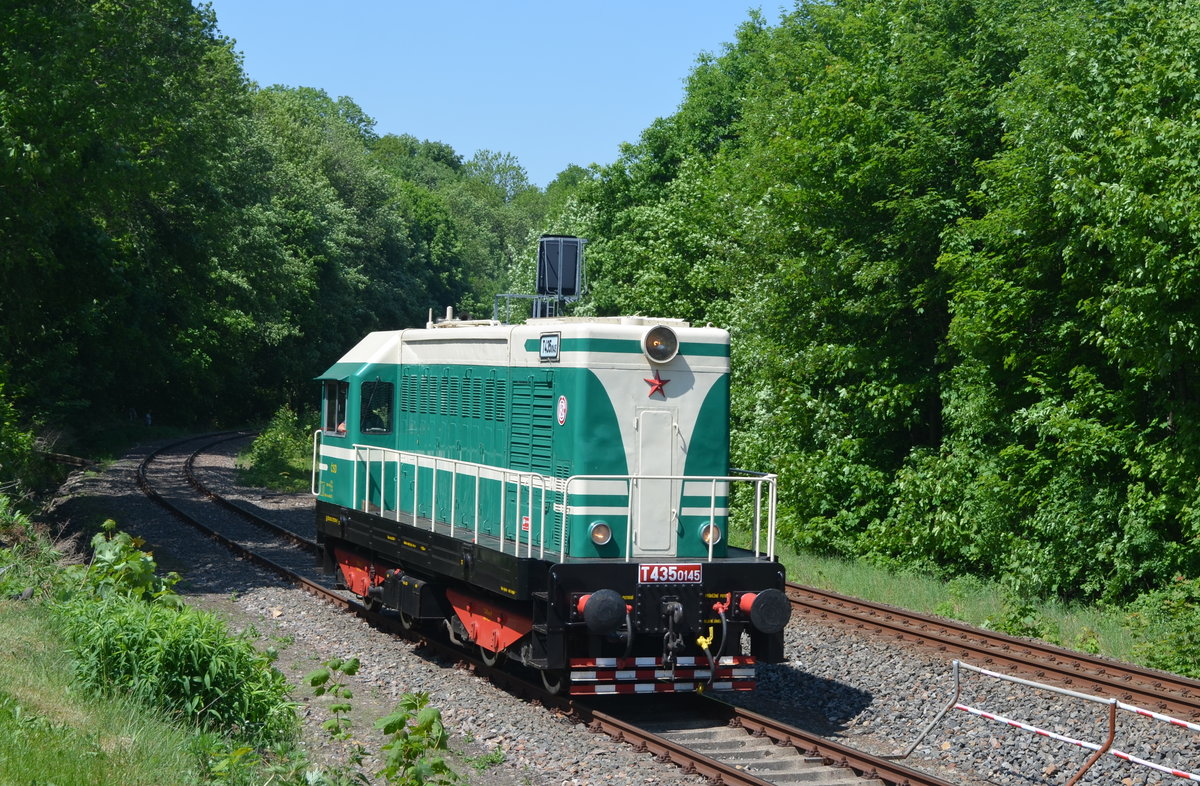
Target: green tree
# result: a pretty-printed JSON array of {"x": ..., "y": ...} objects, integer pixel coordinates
[
  {"x": 799, "y": 196},
  {"x": 1074, "y": 307},
  {"x": 377, "y": 251},
  {"x": 111, "y": 194},
  {"x": 430, "y": 164}
]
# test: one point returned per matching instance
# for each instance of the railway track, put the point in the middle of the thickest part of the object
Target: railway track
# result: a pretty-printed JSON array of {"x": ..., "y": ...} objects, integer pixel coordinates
[
  {"x": 753, "y": 748},
  {"x": 726, "y": 744},
  {"x": 1042, "y": 662}
]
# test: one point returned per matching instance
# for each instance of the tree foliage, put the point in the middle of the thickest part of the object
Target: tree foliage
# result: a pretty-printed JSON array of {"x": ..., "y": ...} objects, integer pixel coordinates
[
  {"x": 178, "y": 240},
  {"x": 954, "y": 242}
]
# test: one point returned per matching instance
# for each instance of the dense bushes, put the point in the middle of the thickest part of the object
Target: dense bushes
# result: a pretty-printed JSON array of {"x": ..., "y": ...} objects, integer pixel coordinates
[
  {"x": 29, "y": 560},
  {"x": 22, "y": 471},
  {"x": 281, "y": 455},
  {"x": 180, "y": 659},
  {"x": 1166, "y": 623},
  {"x": 131, "y": 634}
]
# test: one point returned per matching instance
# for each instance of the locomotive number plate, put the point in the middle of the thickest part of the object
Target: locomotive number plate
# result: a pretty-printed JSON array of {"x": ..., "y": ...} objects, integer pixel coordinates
[
  {"x": 548, "y": 350},
  {"x": 670, "y": 574}
]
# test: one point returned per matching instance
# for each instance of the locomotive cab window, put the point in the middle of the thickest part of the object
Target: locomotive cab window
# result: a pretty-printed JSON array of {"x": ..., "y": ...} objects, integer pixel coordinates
[
  {"x": 376, "y": 407},
  {"x": 334, "y": 420}
]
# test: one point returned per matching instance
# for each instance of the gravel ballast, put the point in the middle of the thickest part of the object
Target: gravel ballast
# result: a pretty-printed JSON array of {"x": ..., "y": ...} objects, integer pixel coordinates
[{"x": 860, "y": 690}]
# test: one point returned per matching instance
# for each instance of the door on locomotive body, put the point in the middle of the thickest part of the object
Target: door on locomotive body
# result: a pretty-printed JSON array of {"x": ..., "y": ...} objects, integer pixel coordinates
[
  {"x": 373, "y": 406},
  {"x": 531, "y": 453},
  {"x": 654, "y": 500},
  {"x": 328, "y": 485}
]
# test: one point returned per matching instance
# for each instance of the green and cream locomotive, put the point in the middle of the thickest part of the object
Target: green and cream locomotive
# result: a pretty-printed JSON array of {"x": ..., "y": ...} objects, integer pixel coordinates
[{"x": 556, "y": 492}]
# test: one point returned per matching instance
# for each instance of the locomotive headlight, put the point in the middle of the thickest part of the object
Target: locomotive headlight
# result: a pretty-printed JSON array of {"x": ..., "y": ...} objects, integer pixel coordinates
[
  {"x": 710, "y": 534},
  {"x": 600, "y": 532},
  {"x": 660, "y": 344}
]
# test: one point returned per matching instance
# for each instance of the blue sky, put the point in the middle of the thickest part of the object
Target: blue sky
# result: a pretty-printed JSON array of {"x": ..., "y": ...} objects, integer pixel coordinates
[{"x": 553, "y": 83}]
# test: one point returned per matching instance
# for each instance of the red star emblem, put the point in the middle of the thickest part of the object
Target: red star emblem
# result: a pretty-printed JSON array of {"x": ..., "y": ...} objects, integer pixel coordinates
[{"x": 657, "y": 385}]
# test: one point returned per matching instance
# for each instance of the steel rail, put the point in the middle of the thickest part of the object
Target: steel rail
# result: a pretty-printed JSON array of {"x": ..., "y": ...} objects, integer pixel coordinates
[
  {"x": 833, "y": 755},
  {"x": 239, "y": 550},
  {"x": 667, "y": 751},
  {"x": 841, "y": 755},
  {"x": 189, "y": 472},
  {"x": 1077, "y": 670}
]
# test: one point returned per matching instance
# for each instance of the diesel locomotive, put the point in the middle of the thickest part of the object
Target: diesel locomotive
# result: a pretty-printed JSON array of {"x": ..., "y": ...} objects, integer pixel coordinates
[{"x": 557, "y": 493}]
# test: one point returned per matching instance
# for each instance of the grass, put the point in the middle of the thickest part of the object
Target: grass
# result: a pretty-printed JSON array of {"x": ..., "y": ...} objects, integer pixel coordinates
[
  {"x": 288, "y": 475},
  {"x": 986, "y": 604},
  {"x": 51, "y": 733}
]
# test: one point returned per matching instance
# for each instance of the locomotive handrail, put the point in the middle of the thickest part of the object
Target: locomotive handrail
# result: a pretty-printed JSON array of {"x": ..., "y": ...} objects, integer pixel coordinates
[
  {"x": 316, "y": 466},
  {"x": 525, "y": 483},
  {"x": 528, "y": 486},
  {"x": 772, "y": 499},
  {"x": 743, "y": 476}
]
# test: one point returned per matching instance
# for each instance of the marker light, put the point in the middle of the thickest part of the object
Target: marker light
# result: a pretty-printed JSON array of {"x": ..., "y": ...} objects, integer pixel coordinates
[
  {"x": 660, "y": 344},
  {"x": 600, "y": 532},
  {"x": 710, "y": 534}
]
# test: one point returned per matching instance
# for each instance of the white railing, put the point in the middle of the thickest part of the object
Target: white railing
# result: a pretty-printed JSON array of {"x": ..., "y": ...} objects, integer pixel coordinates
[
  {"x": 1099, "y": 749},
  {"x": 718, "y": 487},
  {"x": 526, "y": 485},
  {"x": 760, "y": 479},
  {"x": 532, "y": 488}
]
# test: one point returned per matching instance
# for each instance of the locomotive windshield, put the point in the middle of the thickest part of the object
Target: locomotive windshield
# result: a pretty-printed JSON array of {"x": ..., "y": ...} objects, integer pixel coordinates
[{"x": 376, "y": 415}]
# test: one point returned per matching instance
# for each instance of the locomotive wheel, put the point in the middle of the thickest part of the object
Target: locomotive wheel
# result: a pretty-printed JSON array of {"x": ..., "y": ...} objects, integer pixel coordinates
[
  {"x": 406, "y": 621},
  {"x": 489, "y": 657},
  {"x": 553, "y": 680}
]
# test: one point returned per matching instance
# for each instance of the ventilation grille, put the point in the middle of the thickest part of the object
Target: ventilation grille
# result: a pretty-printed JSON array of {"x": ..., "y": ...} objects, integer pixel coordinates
[{"x": 433, "y": 392}]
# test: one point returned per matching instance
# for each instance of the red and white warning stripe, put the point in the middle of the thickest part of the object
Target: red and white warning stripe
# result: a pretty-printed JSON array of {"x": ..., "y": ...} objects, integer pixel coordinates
[
  {"x": 608, "y": 676},
  {"x": 1091, "y": 745},
  {"x": 1131, "y": 758},
  {"x": 626, "y": 675},
  {"x": 601, "y": 689},
  {"x": 656, "y": 662},
  {"x": 1157, "y": 716},
  {"x": 1026, "y": 727}
]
